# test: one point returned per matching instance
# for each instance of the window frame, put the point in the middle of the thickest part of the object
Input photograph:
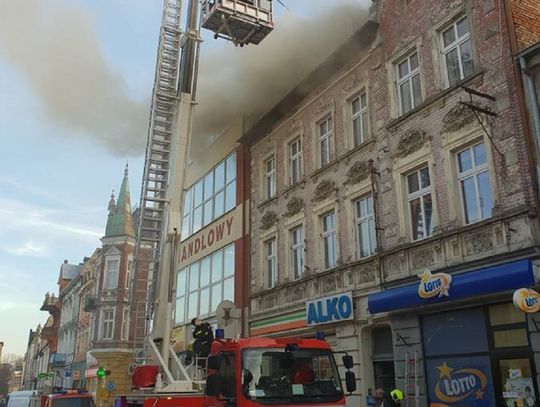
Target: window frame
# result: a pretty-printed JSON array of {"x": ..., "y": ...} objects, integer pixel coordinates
[
  {"x": 359, "y": 220},
  {"x": 270, "y": 261},
  {"x": 104, "y": 321},
  {"x": 297, "y": 270},
  {"x": 270, "y": 189},
  {"x": 189, "y": 206},
  {"x": 125, "y": 324},
  {"x": 419, "y": 194},
  {"x": 456, "y": 44},
  {"x": 329, "y": 137},
  {"x": 473, "y": 173},
  {"x": 292, "y": 158},
  {"x": 362, "y": 114},
  {"x": 408, "y": 78},
  {"x": 329, "y": 234},
  {"x": 110, "y": 283}
]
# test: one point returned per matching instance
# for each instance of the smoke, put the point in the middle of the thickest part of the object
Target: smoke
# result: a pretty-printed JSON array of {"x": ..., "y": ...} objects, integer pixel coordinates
[
  {"x": 51, "y": 43},
  {"x": 246, "y": 82}
]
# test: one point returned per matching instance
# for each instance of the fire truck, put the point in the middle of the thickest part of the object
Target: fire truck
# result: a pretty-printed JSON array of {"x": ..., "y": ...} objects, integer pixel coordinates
[
  {"x": 264, "y": 371},
  {"x": 239, "y": 372}
]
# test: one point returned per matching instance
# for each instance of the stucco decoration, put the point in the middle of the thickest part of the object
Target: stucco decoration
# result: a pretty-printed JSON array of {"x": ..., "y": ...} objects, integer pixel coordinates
[
  {"x": 298, "y": 293},
  {"x": 268, "y": 220},
  {"x": 294, "y": 206},
  {"x": 358, "y": 172},
  {"x": 457, "y": 118},
  {"x": 324, "y": 190},
  {"x": 412, "y": 141},
  {"x": 479, "y": 241},
  {"x": 367, "y": 274},
  {"x": 422, "y": 258}
]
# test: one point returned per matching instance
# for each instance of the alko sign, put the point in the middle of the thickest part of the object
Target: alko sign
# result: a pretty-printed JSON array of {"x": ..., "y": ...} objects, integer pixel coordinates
[{"x": 330, "y": 309}]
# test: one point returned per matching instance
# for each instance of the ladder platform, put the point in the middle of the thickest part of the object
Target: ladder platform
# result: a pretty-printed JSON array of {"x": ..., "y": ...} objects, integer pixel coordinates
[{"x": 240, "y": 21}]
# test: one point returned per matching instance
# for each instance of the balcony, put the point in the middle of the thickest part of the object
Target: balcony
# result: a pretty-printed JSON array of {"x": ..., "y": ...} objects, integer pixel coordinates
[
  {"x": 50, "y": 303},
  {"x": 91, "y": 304}
]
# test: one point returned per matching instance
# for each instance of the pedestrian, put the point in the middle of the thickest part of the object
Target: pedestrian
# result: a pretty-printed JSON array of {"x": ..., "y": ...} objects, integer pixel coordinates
[{"x": 381, "y": 400}]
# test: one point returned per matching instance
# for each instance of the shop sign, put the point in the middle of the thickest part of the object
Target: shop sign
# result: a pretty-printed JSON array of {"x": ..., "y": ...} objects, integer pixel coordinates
[
  {"x": 76, "y": 375},
  {"x": 527, "y": 300},
  {"x": 91, "y": 372},
  {"x": 329, "y": 309},
  {"x": 458, "y": 382},
  {"x": 218, "y": 234},
  {"x": 434, "y": 285}
]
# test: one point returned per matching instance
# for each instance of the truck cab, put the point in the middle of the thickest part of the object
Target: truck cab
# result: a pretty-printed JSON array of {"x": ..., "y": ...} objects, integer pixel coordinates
[
  {"x": 265, "y": 371},
  {"x": 68, "y": 398}
]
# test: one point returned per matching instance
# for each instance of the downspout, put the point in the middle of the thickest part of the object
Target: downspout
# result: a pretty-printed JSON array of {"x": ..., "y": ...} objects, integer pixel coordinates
[{"x": 530, "y": 95}]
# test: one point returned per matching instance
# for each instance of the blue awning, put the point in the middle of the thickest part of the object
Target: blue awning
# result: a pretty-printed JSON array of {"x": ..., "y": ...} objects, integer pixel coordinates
[{"x": 503, "y": 277}]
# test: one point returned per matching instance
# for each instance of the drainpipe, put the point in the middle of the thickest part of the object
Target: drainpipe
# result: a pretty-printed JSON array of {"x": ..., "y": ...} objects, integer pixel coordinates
[{"x": 532, "y": 101}]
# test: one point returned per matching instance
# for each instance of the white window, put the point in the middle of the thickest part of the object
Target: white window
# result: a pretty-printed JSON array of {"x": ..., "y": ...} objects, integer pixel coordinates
[
  {"x": 329, "y": 239},
  {"x": 111, "y": 273},
  {"x": 295, "y": 161},
  {"x": 129, "y": 271},
  {"x": 125, "y": 324},
  {"x": 359, "y": 109},
  {"x": 365, "y": 226},
  {"x": 420, "y": 203},
  {"x": 270, "y": 177},
  {"x": 457, "y": 51},
  {"x": 475, "y": 183},
  {"x": 326, "y": 141},
  {"x": 201, "y": 286},
  {"x": 107, "y": 323},
  {"x": 297, "y": 252},
  {"x": 408, "y": 83},
  {"x": 271, "y": 263},
  {"x": 210, "y": 197}
]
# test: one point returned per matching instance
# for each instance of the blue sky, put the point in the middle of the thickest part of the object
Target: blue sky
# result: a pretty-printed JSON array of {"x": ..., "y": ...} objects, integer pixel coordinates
[{"x": 73, "y": 109}]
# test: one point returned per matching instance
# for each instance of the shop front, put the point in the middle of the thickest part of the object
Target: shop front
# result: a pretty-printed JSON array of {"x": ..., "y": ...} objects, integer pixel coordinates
[{"x": 477, "y": 336}]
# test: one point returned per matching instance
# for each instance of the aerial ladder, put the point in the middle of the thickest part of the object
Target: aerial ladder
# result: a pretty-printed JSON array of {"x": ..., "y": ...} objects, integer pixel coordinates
[{"x": 173, "y": 99}]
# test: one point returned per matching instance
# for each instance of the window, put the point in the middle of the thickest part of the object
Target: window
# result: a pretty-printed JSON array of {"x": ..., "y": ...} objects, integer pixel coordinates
[
  {"x": 107, "y": 323},
  {"x": 125, "y": 324},
  {"x": 359, "y": 118},
  {"x": 129, "y": 271},
  {"x": 365, "y": 226},
  {"x": 201, "y": 286},
  {"x": 456, "y": 48},
  {"x": 111, "y": 273},
  {"x": 295, "y": 161},
  {"x": 210, "y": 197},
  {"x": 329, "y": 239},
  {"x": 383, "y": 358},
  {"x": 408, "y": 83},
  {"x": 271, "y": 263},
  {"x": 420, "y": 203},
  {"x": 326, "y": 141},
  {"x": 475, "y": 183},
  {"x": 297, "y": 252},
  {"x": 270, "y": 177}
]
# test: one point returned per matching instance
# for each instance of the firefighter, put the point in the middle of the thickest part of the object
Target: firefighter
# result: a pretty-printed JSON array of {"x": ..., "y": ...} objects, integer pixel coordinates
[
  {"x": 397, "y": 396},
  {"x": 203, "y": 336}
]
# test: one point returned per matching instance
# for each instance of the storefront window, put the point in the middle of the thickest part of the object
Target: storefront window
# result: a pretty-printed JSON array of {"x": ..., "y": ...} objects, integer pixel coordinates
[
  {"x": 510, "y": 338},
  {"x": 516, "y": 378},
  {"x": 383, "y": 358},
  {"x": 504, "y": 314},
  {"x": 201, "y": 286}
]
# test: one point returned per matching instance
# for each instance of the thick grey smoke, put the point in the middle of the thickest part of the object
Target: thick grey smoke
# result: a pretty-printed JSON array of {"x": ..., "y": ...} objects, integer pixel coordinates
[
  {"x": 236, "y": 82},
  {"x": 51, "y": 43}
]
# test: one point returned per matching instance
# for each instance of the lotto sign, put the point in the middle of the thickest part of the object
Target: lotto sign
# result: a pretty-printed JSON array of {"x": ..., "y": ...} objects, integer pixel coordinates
[
  {"x": 527, "y": 300},
  {"x": 434, "y": 285},
  {"x": 329, "y": 309}
]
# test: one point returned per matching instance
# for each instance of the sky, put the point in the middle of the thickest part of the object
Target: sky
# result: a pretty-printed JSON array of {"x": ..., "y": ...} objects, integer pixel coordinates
[{"x": 75, "y": 84}]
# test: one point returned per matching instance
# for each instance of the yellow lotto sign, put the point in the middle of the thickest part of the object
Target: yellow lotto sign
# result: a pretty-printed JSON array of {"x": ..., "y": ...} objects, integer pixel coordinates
[
  {"x": 434, "y": 285},
  {"x": 527, "y": 300}
]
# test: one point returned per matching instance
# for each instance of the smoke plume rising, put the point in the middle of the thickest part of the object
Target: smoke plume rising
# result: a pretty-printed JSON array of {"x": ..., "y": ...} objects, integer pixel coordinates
[
  {"x": 248, "y": 81},
  {"x": 51, "y": 43}
]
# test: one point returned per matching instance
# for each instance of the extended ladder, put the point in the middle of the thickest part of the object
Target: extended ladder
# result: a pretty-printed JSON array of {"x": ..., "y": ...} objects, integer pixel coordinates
[
  {"x": 412, "y": 387},
  {"x": 156, "y": 172}
]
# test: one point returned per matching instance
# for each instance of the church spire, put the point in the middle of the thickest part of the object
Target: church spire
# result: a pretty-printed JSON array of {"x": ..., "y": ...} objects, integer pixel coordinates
[{"x": 120, "y": 222}]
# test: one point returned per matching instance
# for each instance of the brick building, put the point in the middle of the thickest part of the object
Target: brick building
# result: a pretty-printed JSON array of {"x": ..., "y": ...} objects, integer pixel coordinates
[{"x": 404, "y": 154}]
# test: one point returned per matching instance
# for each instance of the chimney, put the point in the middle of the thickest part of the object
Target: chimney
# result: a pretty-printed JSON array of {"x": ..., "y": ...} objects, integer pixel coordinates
[
  {"x": 65, "y": 261},
  {"x": 1, "y": 347}
]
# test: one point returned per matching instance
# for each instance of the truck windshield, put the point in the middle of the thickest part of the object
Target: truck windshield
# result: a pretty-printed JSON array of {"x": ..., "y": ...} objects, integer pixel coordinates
[
  {"x": 298, "y": 376},
  {"x": 73, "y": 402}
]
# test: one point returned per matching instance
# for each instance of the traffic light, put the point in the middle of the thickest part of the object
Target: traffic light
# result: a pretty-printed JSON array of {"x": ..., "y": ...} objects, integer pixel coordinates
[{"x": 101, "y": 373}]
